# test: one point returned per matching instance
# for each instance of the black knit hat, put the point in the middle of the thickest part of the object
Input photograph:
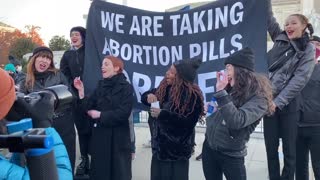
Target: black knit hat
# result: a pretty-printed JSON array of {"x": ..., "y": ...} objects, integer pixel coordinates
[
  {"x": 187, "y": 69},
  {"x": 41, "y": 48},
  {"x": 81, "y": 30},
  {"x": 315, "y": 38},
  {"x": 243, "y": 58}
]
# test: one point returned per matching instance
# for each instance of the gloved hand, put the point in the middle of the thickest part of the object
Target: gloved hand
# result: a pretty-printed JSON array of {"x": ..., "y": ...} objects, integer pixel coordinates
[
  {"x": 42, "y": 111},
  {"x": 39, "y": 106}
]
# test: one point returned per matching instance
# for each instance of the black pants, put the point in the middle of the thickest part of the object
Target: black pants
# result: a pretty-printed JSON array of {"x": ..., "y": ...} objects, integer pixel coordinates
[
  {"x": 308, "y": 140},
  {"x": 64, "y": 125},
  {"x": 151, "y": 124},
  {"x": 215, "y": 164},
  {"x": 169, "y": 170},
  {"x": 281, "y": 125},
  {"x": 83, "y": 126},
  {"x": 84, "y": 142}
]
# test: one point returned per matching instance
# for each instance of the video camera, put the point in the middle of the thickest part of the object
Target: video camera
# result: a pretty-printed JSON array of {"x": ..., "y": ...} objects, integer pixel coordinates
[
  {"x": 41, "y": 106},
  {"x": 28, "y": 136}
]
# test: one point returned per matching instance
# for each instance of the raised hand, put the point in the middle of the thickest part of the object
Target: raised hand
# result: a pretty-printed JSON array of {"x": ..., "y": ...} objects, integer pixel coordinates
[
  {"x": 151, "y": 98},
  {"x": 222, "y": 81},
  {"x": 78, "y": 84}
]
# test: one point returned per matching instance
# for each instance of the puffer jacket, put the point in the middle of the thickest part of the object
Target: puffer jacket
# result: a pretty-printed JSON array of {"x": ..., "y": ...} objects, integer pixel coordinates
[
  {"x": 293, "y": 75},
  {"x": 229, "y": 128},
  {"x": 12, "y": 171}
]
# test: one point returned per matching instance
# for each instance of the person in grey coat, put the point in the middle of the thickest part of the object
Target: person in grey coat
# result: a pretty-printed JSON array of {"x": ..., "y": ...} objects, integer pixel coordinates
[
  {"x": 290, "y": 64},
  {"x": 243, "y": 98}
]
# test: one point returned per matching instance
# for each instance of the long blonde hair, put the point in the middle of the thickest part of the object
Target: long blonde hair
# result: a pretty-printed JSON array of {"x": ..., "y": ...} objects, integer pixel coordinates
[{"x": 31, "y": 69}]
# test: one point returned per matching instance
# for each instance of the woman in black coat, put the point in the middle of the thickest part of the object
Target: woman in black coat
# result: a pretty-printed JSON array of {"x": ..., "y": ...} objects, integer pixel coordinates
[
  {"x": 41, "y": 74},
  {"x": 109, "y": 108},
  {"x": 181, "y": 106},
  {"x": 72, "y": 65}
]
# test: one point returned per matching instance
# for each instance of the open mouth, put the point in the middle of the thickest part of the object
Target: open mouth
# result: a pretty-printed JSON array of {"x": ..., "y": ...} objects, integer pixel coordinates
[
  {"x": 290, "y": 32},
  {"x": 103, "y": 72},
  {"x": 43, "y": 66}
]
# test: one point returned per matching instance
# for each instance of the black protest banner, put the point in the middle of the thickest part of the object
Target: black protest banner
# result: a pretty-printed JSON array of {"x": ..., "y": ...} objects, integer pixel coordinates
[{"x": 149, "y": 42}]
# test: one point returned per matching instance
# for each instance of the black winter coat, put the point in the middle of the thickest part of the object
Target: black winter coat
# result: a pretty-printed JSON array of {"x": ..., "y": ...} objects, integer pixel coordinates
[
  {"x": 110, "y": 142},
  {"x": 311, "y": 100},
  {"x": 172, "y": 134},
  {"x": 72, "y": 63}
]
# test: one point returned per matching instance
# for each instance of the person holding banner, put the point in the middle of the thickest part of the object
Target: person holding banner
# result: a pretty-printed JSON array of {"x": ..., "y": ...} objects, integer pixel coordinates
[
  {"x": 109, "y": 107},
  {"x": 290, "y": 65},
  {"x": 176, "y": 105},
  {"x": 243, "y": 98}
]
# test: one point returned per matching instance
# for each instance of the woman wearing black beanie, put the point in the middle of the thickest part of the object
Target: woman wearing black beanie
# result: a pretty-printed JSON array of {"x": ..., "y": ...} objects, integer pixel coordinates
[
  {"x": 72, "y": 65},
  {"x": 243, "y": 98}
]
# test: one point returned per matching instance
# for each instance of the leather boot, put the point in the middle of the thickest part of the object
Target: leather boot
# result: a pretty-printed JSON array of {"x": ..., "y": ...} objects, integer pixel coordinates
[{"x": 83, "y": 167}]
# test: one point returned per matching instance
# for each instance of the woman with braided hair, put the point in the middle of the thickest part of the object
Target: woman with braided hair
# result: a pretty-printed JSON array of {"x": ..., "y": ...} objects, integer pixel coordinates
[{"x": 181, "y": 106}]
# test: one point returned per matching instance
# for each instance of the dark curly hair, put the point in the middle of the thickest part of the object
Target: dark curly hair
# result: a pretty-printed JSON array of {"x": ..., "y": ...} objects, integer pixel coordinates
[
  {"x": 183, "y": 94},
  {"x": 248, "y": 83}
]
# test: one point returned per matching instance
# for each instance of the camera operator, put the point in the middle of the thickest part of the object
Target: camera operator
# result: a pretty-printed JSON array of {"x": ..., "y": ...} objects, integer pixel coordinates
[
  {"x": 42, "y": 74},
  {"x": 11, "y": 170}
]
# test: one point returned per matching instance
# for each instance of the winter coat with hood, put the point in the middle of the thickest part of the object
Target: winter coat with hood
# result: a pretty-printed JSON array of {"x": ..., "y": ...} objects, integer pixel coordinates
[
  {"x": 289, "y": 79},
  {"x": 229, "y": 128},
  {"x": 110, "y": 142},
  {"x": 172, "y": 134}
]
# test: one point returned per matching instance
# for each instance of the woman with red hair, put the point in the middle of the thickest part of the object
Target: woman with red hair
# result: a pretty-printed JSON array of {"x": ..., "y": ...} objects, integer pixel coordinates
[{"x": 109, "y": 108}]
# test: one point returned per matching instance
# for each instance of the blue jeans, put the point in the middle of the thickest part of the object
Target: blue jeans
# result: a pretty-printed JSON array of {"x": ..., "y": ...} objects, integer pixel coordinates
[{"x": 215, "y": 164}]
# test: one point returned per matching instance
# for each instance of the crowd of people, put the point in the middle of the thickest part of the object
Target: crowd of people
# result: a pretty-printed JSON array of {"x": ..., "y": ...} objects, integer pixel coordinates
[{"x": 287, "y": 100}]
